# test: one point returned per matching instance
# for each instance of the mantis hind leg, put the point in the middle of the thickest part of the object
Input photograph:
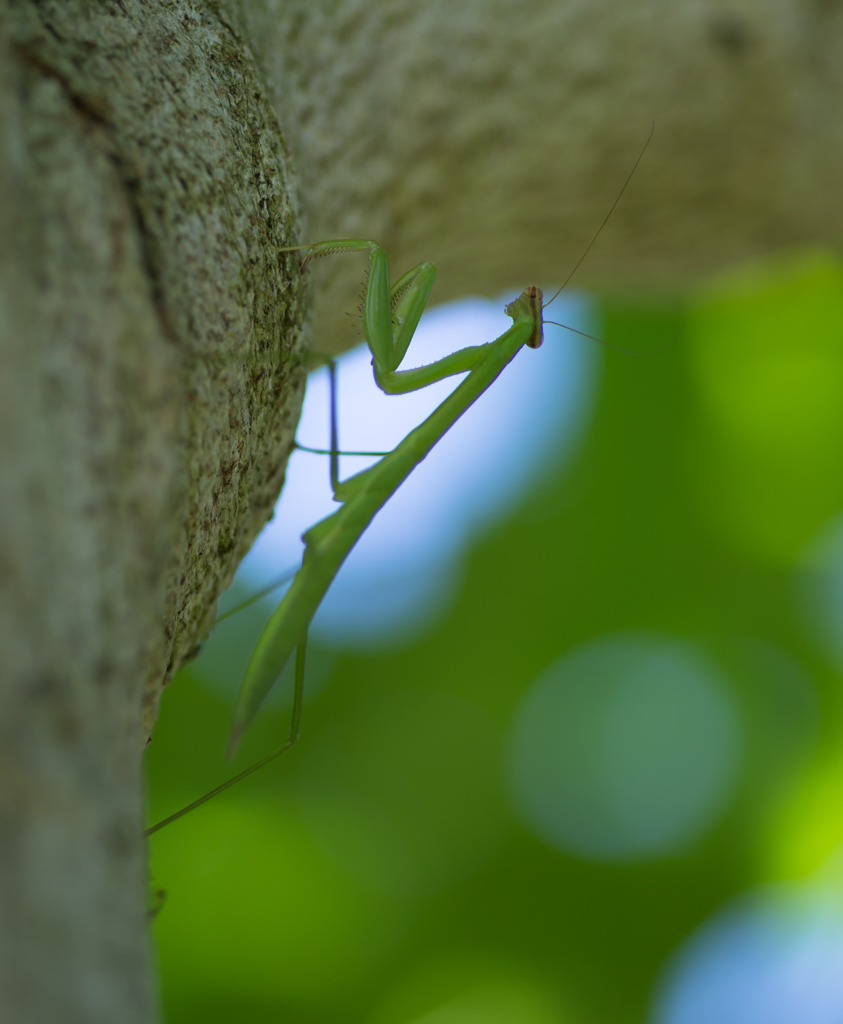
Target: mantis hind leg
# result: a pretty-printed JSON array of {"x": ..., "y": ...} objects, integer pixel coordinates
[
  {"x": 292, "y": 736},
  {"x": 333, "y": 451}
]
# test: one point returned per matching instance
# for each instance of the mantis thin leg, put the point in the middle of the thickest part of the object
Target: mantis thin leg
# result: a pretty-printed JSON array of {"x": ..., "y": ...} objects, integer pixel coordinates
[
  {"x": 292, "y": 736},
  {"x": 257, "y": 595},
  {"x": 335, "y": 444},
  {"x": 327, "y": 451},
  {"x": 333, "y": 451}
]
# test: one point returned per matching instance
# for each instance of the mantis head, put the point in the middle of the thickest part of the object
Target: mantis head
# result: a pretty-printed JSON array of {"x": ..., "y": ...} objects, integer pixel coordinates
[{"x": 528, "y": 306}]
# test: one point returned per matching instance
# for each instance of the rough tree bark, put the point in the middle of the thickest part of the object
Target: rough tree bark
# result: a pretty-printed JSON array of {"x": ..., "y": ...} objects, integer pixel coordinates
[
  {"x": 153, "y": 343},
  {"x": 152, "y": 378}
]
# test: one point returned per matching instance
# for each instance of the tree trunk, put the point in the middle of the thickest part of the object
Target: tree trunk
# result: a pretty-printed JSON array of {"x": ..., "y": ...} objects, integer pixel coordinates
[
  {"x": 152, "y": 340},
  {"x": 152, "y": 379}
]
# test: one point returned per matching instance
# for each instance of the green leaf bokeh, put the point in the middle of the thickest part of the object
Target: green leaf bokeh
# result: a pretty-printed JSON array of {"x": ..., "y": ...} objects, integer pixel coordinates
[{"x": 380, "y": 872}]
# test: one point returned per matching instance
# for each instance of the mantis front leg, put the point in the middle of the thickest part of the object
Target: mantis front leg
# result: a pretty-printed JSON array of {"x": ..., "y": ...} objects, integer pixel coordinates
[{"x": 391, "y": 315}]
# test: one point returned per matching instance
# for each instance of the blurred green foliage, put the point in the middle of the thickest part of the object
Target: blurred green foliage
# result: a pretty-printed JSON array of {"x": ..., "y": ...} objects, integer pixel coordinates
[{"x": 380, "y": 873}]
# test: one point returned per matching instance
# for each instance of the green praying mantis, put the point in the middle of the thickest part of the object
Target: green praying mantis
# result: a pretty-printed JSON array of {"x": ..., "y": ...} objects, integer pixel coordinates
[{"x": 390, "y": 316}]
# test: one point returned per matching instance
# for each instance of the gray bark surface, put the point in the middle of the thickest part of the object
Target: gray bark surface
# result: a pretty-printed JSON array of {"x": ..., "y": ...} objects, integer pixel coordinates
[{"x": 152, "y": 345}]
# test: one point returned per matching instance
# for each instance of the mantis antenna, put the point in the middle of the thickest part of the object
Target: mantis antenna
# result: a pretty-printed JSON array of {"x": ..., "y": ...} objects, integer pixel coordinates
[{"x": 603, "y": 225}]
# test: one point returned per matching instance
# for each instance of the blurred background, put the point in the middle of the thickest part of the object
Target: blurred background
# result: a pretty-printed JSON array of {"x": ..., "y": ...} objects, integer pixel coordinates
[{"x": 571, "y": 742}]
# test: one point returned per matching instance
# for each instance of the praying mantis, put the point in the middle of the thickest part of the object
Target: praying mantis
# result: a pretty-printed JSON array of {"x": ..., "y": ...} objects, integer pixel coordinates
[{"x": 390, "y": 316}]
